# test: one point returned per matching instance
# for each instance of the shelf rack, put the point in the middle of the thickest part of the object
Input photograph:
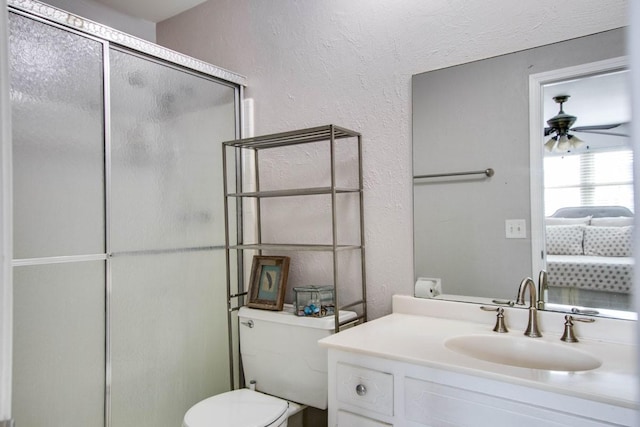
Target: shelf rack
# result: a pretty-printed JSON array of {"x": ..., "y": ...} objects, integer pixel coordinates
[{"x": 242, "y": 149}]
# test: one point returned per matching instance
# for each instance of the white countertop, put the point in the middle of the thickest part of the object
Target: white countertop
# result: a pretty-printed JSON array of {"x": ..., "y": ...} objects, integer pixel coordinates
[{"x": 416, "y": 331}]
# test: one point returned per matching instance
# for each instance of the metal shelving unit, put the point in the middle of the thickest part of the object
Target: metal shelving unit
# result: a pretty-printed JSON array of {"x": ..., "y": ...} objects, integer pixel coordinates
[{"x": 242, "y": 150}]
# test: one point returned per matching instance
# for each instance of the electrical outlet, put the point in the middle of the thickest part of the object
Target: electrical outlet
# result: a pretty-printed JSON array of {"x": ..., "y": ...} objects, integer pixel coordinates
[{"x": 515, "y": 228}]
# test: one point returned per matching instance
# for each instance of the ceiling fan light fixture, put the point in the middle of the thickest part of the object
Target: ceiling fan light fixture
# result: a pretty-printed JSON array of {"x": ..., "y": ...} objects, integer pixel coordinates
[
  {"x": 550, "y": 144},
  {"x": 575, "y": 142},
  {"x": 563, "y": 143}
]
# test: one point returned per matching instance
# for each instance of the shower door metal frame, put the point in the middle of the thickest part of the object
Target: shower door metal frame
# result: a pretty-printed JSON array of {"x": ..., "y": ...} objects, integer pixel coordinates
[
  {"x": 111, "y": 38},
  {"x": 6, "y": 232}
]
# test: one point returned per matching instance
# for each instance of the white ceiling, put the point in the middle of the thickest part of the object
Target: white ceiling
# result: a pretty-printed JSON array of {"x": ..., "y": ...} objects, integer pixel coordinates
[
  {"x": 596, "y": 100},
  {"x": 151, "y": 10}
]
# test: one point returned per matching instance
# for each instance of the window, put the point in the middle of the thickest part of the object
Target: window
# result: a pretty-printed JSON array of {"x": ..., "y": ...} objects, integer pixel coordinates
[{"x": 588, "y": 179}]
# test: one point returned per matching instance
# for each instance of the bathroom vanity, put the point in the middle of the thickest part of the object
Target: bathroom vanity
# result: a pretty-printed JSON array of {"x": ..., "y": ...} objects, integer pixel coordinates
[{"x": 438, "y": 363}]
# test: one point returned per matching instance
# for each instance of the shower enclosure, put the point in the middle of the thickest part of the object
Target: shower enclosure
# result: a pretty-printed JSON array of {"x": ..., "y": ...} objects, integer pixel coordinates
[{"x": 119, "y": 285}]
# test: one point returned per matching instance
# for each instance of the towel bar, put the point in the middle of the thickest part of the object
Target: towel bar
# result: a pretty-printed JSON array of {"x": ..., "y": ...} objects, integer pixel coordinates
[{"x": 488, "y": 172}]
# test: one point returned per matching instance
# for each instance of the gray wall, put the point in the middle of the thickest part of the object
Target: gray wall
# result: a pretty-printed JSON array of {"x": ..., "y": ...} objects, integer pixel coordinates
[{"x": 471, "y": 117}]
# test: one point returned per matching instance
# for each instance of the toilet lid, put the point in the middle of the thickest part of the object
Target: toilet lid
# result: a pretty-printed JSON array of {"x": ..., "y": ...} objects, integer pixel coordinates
[{"x": 237, "y": 408}]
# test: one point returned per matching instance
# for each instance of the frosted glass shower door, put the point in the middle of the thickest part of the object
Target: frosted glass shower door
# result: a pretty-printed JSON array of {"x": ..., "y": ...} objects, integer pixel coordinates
[
  {"x": 59, "y": 345},
  {"x": 59, "y": 225},
  {"x": 58, "y": 140},
  {"x": 168, "y": 337},
  {"x": 120, "y": 311}
]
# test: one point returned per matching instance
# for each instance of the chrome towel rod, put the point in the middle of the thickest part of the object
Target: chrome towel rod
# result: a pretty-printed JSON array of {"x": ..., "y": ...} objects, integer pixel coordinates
[{"x": 488, "y": 172}]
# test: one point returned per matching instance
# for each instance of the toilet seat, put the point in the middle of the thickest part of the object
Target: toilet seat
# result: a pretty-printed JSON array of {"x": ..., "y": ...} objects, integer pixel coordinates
[{"x": 237, "y": 408}]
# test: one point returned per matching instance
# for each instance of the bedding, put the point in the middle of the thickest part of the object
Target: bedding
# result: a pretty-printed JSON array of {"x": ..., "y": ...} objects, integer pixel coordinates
[
  {"x": 598, "y": 273},
  {"x": 590, "y": 248},
  {"x": 565, "y": 239}
]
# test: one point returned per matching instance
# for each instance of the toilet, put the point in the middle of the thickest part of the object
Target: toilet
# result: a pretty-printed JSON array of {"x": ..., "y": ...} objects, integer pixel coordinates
[{"x": 282, "y": 363}]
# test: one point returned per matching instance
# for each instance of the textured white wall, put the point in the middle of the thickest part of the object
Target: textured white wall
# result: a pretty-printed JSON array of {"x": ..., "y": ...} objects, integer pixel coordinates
[
  {"x": 105, "y": 15},
  {"x": 350, "y": 62}
]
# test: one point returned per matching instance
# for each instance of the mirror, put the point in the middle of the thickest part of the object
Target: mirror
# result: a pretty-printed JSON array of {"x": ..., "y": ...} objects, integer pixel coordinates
[{"x": 469, "y": 118}]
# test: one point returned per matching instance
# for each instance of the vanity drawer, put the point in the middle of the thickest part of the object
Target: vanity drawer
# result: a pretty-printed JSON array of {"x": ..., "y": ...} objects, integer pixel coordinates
[
  {"x": 365, "y": 388},
  {"x": 347, "y": 419}
]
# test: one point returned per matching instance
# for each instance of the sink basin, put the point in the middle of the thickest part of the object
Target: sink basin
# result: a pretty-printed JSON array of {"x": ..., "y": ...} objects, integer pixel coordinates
[{"x": 523, "y": 352}]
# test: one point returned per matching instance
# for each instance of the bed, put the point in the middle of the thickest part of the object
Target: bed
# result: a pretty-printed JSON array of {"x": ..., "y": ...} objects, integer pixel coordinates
[{"x": 589, "y": 259}]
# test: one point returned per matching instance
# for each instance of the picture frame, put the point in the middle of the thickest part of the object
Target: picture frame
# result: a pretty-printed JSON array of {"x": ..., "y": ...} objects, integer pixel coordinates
[{"x": 268, "y": 282}]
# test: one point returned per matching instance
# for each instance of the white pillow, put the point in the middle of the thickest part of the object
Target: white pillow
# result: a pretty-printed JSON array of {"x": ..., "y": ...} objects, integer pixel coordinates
[
  {"x": 608, "y": 241},
  {"x": 567, "y": 221},
  {"x": 613, "y": 221},
  {"x": 565, "y": 239}
]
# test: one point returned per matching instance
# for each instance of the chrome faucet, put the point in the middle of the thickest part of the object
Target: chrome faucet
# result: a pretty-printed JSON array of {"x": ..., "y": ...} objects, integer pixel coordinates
[{"x": 532, "y": 327}]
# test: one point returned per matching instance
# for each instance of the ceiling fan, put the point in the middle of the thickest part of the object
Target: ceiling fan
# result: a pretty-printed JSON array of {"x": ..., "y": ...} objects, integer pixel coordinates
[{"x": 560, "y": 126}]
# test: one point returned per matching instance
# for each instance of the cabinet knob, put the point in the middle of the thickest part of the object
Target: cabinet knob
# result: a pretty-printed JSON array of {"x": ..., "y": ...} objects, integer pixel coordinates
[{"x": 361, "y": 390}]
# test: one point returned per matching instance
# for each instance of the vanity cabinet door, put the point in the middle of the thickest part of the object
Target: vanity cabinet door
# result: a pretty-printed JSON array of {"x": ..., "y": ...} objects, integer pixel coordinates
[
  {"x": 432, "y": 404},
  {"x": 348, "y": 419}
]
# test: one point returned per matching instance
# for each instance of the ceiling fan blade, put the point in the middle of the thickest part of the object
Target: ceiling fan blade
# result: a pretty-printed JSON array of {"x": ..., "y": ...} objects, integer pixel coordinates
[
  {"x": 595, "y": 127},
  {"x": 601, "y": 132},
  {"x": 547, "y": 131},
  {"x": 602, "y": 129}
]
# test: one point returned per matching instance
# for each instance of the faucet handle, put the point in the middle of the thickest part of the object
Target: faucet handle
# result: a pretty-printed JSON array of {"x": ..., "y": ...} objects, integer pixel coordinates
[
  {"x": 569, "y": 335},
  {"x": 543, "y": 289},
  {"x": 500, "y": 326},
  {"x": 576, "y": 310}
]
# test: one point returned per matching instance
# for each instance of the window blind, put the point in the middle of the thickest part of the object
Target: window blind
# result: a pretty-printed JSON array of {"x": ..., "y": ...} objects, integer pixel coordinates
[{"x": 588, "y": 179}]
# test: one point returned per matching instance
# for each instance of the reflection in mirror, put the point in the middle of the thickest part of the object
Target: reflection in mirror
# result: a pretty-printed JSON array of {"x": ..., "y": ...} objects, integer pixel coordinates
[
  {"x": 587, "y": 185},
  {"x": 478, "y": 234}
]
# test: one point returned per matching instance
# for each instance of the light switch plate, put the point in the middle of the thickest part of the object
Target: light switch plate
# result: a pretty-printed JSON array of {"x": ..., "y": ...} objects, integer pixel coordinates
[{"x": 516, "y": 228}]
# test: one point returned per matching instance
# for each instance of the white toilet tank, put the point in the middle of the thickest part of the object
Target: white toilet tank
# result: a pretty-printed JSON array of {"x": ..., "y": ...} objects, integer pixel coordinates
[{"x": 280, "y": 352}]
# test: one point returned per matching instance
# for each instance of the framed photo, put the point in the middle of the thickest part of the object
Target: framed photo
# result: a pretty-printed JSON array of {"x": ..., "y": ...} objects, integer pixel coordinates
[{"x": 268, "y": 282}]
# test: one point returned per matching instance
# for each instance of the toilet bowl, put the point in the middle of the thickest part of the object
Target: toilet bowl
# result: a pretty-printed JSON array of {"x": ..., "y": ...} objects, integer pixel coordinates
[
  {"x": 282, "y": 359},
  {"x": 238, "y": 408}
]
